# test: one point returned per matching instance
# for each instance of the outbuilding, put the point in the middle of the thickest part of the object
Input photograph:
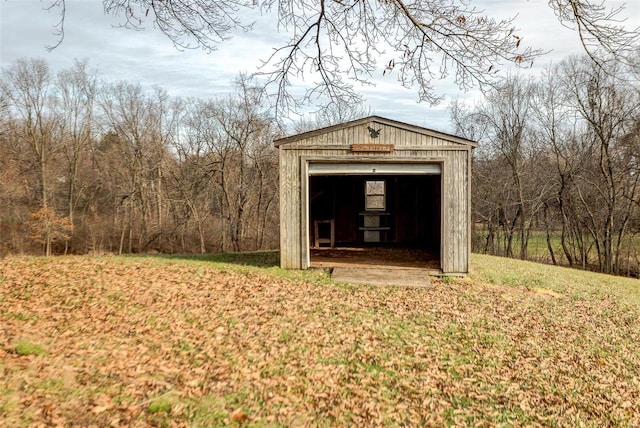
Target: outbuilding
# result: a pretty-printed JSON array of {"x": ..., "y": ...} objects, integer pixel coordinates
[{"x": 377, "y": 189}]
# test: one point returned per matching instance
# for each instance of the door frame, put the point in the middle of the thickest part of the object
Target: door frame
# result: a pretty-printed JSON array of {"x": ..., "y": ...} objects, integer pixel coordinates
[{"x": 359, "y": 162}]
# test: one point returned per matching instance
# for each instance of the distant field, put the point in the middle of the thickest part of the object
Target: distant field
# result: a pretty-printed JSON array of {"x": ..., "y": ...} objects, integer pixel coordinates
[
  {"x": 538, "y": 250},
  {"x": 234, "y": 340}
]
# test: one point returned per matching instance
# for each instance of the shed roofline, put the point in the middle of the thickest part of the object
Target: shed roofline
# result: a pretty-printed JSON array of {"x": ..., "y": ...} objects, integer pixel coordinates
[{"x": 419, "y": 129}]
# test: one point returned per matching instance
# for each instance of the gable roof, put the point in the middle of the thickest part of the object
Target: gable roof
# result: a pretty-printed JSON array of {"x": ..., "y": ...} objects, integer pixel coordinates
[{"x": 365, "y": 120}]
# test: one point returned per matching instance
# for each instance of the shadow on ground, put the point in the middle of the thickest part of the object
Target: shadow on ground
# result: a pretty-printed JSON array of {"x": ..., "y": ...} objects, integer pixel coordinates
[{"x": 261, "y": 259}]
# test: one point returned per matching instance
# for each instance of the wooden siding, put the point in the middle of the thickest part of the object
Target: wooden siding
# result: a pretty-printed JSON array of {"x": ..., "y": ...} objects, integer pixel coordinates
[
  {"x": 360, "y": 135},
  {"x": 410, "y": 147}
]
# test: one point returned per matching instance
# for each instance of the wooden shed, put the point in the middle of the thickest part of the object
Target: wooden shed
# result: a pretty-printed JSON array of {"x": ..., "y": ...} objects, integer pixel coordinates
[{"x": 376, "y": 186}]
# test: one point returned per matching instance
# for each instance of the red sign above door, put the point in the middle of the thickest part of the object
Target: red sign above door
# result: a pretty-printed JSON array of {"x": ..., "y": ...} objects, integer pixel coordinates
[{"x": 380, "y": 148}]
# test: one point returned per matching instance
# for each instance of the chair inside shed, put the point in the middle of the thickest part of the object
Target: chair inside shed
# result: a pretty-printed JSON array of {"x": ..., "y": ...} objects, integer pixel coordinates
[{"x": 391, "y": 220}]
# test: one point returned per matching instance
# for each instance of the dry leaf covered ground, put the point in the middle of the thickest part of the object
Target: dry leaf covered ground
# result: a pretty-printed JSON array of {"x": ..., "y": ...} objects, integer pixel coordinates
[{"x": 114, "y": 341}]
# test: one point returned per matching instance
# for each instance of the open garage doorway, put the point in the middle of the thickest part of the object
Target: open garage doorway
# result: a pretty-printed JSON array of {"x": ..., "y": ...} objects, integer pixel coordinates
[{"x": 375, "y": 214}]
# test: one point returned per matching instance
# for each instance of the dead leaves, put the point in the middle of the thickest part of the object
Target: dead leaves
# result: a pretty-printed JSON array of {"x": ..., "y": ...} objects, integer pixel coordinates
[
  {"x": 101, "y": 403},
  {"x": 149, "y": 343},
  {"x": 239, "y": 416}
]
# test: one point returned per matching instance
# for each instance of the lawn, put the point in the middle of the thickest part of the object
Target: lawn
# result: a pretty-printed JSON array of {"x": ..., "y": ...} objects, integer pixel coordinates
[{"x": 234, "y": 340}]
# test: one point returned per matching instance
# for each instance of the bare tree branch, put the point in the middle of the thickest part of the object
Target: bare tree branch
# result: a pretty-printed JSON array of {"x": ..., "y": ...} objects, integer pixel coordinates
[
  {"x": 601, "y": 30},
  {"x": 189, "y": 24},
  {"x": 336, "y": 44},
  {"x": 59, "y": 26}
]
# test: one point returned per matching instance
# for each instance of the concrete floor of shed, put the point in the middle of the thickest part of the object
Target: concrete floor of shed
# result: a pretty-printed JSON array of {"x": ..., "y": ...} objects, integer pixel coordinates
[{"x": 387, "y": 257}]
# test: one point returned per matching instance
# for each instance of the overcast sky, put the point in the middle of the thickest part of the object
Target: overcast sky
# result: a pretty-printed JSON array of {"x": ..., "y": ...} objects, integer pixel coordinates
[{"x": 148, "y": 57}]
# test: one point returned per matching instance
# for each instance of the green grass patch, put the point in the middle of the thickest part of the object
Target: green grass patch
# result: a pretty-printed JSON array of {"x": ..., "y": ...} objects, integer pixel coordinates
[
  {"x": 161, "y": 405},
  {"x": 29, "y": 348},
  {"x": 566, "y": 281},
  {"x": 209, "y": 411},
  {"x": 21, "y": 316}
]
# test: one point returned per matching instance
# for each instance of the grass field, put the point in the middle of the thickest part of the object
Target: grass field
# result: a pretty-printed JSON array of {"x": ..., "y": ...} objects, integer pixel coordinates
[
  {"x": 537, "y": 250},
  {"x": 234, "y": 340}
]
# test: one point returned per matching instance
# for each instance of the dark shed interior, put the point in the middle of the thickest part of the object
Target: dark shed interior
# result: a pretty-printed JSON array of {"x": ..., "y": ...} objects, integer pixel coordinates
[{"x": 401, "y": 213}]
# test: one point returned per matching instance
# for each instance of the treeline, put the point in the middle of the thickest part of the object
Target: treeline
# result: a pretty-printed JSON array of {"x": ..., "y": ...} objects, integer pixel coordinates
[
  {"x": 556, "y": 174},
  {"x": 90, "y": 166}
]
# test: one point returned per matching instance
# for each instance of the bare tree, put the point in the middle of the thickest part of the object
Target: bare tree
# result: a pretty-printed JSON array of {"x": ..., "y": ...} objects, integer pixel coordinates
[
  {"x": 505, "y": 120},
  {"x": 15, "y": 197},
  {"x": 225, "y": 176},
  {"x": 607, "y": 107},
  {"x": 141, "y": 138},
  {"x": 243, "y": 128},
  {"x": 77, "y": 91},
  {"x": 194, "y": 172},
  {"x": 555, "y": 129},
  {"x": 28, "y": 86}
]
